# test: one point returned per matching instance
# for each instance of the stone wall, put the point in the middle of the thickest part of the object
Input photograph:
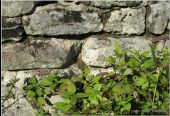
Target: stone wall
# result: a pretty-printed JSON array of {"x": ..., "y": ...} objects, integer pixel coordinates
[
  {"x": 58, "y": 34},
  {"x": 43, "y": 36}
]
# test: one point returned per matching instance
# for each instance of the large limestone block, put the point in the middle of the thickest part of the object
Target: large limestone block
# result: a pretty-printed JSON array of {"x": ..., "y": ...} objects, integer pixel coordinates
[
  {"x": 16, "y": 8},
  {"x": 96, "y": 49},
  {"x": 157, "y": 18},
  {"x": 39, "y": 53},
  {"x": 53, "y": 20},
  {"x": 126, "y": 21}
]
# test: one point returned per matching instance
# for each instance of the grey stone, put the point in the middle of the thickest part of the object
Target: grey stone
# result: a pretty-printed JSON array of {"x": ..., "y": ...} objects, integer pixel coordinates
[
  {"x": 16, "y": 8},
  {"x": 53, "y": 20},
  {"x": 56, "y": 98},
  {"x": 21, "y": 107},
  {"x": 168, "y": 26},
  {"x": 40, "y": 53},
  {"x": 72, "y": 70},
  {"x": 97, "y": 49},
  {"x": 157, "y": 17},
  {"x": 12, "y": 29},
  {"x": 96, "y": 71},
  {"x": 113, "y": 3},
  {"x": 126, "y": 21},
  {"x": 10, "y": 22}
]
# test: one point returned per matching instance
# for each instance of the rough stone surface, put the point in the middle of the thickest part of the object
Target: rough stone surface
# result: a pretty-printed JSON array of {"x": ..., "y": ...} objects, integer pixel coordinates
[
  {"x": 112, "y": 3},
  {"x": 16, "y": 8},
  {"x": 20, "y": 108},
  {"x": 56, "y": 98},
  {"x": 39, "y": 53},
  {"x": 72, "y": 70},
  {"x": 97, "y": 49},
  {"x": 126, "y": 21},
  {"x": 168, "y": 26},
  {"x": 158, "y": 16},
  {"x": 96, "y": 71},
  {"x": 10, "y": 22},
  {"x": 12, "y": 29},
  {"x": 48, "y": 21}
]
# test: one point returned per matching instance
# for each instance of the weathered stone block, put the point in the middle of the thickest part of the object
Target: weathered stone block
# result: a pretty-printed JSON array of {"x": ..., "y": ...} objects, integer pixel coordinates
[
  {"x": 126, "y": 21},
  {"x": 97, "y": 49},
  {"x": 112, "y": 3},
  {"x": 16, "y": 8},
  {"x": 157, "y": 18},
  {"x": 51, "y": 20},
  {"x": 38, "y": 53}
]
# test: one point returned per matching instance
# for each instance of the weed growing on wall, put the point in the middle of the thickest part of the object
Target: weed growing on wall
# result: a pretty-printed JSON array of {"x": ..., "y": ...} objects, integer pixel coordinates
[{"x": 138, "y": 85}]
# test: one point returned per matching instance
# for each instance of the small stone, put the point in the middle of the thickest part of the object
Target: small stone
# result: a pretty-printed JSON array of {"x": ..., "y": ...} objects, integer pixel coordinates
[
  {"x": 10, "y": 22},
  {"x": 56, "y": 98},
  {"x": 46, "y": 20},
  {"x": 12, "y": 29},
  {"x": 95, "y": 71},
  {"x": 126, "y": 21},
  {"x": 157, "y": 18},
  {"x": 16, "y": 8},
  {"x": 14, "y": 34},
  {"x": 72, "y": 70}
]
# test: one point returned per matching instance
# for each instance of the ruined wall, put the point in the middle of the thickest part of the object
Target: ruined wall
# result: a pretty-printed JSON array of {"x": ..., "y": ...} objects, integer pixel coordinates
[
  {"x": 58, "y": 34},
  {"x": 43, "y": 36}
]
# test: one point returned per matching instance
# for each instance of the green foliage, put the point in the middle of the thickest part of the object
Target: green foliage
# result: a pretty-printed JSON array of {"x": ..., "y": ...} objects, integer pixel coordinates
[
  {"x": 138, "y": 85},
  {"x": 10, "y": 86}
]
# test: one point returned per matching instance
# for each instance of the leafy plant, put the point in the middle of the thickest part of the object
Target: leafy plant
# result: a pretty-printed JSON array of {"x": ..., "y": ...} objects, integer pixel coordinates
[{"x": 138, "y": 85}]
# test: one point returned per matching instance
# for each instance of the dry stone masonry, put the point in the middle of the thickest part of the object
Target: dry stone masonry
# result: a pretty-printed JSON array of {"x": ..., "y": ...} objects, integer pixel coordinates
[{"x": 43, "y": 36}]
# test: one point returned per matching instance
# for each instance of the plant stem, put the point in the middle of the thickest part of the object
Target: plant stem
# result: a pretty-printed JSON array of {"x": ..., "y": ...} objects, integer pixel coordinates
[{"x": 155, "y": 90}]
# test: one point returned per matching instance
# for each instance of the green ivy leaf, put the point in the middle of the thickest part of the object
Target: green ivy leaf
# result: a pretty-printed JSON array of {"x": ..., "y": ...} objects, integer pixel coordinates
[
  {"x": 148, "y": 63},
  {"x": 47, "y": 92},
  {"x": 81, "y": 95},
  {"x": 93, "y": 99},
  {"x": 118, "y": 49},
  {"x": 133, "y": 62},
  {"x": 71, "y": 88},
  {"x": 128, "y": 71},
  {"x": 45, "y": 82},
  {"x": 96, "y": 79},
  {"x": 28, "y": 87},
  {"x": 41, "y": 100},
  {"x": 62, "y": 106},
  {"x": 39, "y": 91},
  {"x": 33, "y": 80},
  {"x": 87, "y": 70},
  {"x": 90, "y": 90},
  {"x": 140, "y": 81},
  {"x": 145, "y": 85},
  {"x": 31, "y": 93},
  {"x": 73, "y": 99},
  {"x": 154, "y": 77},
  {"x": 164, "y": 81},
  {"x": 98, "y": 87},
  {"x": 9, "y": 84},
  {"x": 111, "y": 60}
]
